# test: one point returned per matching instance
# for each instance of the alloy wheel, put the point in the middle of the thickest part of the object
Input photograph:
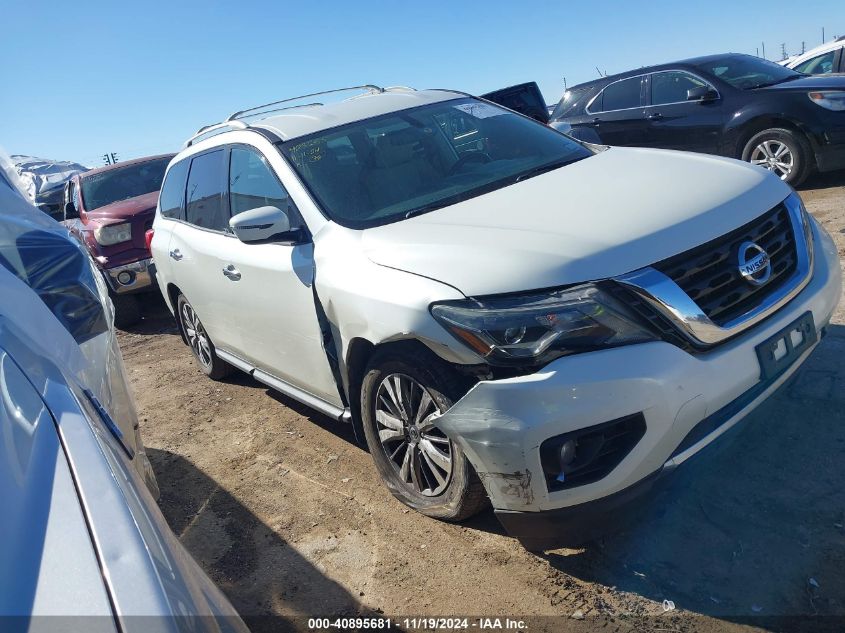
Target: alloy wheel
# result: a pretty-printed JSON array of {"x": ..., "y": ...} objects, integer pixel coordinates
[
  {"x": 195, "y": 333},
  {"x": 419, "y": 452},
  {"x": 775, "y": 156}
]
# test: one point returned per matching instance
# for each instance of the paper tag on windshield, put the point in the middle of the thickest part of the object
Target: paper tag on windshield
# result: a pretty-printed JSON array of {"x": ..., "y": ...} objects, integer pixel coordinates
[{"x": 480, "y": 110}]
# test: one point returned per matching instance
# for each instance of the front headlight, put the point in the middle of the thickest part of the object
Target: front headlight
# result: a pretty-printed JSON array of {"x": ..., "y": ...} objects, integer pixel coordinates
[
  {"x": 534, "y": 329},
  {"x": 830, "y": 99},
  {"x": 113, "y": 234}
]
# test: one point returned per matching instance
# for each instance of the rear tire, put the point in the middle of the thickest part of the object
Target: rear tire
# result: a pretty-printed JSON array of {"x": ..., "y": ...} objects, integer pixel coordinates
[
  {"x": 199, "y": 342},
  {"x": 784, "y": 152},
  {"x": 401, "y": 395},
  {"x": 127, "y": 310}
]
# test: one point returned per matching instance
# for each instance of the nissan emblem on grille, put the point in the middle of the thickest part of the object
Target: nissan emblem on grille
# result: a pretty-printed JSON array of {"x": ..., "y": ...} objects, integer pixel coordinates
[{"x": 754, "y": 263}]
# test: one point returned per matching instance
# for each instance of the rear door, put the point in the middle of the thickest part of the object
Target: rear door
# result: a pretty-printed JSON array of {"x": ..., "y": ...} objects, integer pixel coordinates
[
  {"x": 617, "y": 113},
  {"x": 200, "y": 243},
  {"x": 673, "y": 122},
  {"x": 171, "y": 211}
]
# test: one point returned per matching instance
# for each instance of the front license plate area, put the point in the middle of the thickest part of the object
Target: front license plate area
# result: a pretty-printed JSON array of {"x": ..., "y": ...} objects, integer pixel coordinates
[{"x": 781, "y": 350}]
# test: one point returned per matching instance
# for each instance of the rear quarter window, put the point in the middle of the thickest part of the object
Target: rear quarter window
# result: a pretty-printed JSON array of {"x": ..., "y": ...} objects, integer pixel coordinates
[
  {"x": 573, "y": 102},
  {"x": 172, "y": 197}
]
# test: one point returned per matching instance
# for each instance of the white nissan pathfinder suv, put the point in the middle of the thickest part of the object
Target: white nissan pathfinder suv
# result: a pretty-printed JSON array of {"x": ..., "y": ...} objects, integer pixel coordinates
[{"x": 506, "y": 313}]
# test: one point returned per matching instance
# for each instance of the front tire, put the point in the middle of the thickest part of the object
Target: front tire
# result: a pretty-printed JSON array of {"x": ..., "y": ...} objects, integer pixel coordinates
[
  {"x": 783, "y": 152},
  {"x": 401, "y": 397},
  {"x": 199, "y": 342}
]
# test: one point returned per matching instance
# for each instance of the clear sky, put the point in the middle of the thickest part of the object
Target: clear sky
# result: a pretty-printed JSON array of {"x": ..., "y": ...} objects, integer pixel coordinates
[{"x": 80, "y": 79}]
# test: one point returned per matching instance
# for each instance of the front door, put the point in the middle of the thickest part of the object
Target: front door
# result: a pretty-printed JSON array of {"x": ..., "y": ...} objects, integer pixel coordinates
[
  {"x": 267, "y": 291},
  {"x": 673, "y": 122}
]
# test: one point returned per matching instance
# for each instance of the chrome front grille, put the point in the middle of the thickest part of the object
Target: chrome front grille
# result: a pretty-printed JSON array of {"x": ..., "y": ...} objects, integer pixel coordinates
[
  {"x": 703, "y": 294},
  {"x": 709, "y": 274}
]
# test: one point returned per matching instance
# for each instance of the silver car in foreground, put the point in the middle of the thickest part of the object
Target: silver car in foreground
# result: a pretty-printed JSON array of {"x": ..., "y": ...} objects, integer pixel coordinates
[{"x": 83, "y": 545}]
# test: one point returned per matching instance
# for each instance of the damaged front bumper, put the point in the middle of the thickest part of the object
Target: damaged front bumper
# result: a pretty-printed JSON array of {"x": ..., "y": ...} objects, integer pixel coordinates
[{"x": 687, "y": 401}]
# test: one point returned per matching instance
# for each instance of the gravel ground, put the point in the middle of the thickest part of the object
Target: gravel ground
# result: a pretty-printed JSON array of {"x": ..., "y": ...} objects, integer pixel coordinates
[{"x": 285, "y": 512}]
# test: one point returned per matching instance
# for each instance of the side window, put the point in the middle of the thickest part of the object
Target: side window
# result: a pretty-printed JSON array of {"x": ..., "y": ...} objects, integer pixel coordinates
[
  {"x": 672, "y": 86},
  {"x": 819, "y": 65},
  {"x": 172, "y": 194},
  {"x": 204, "y": 194},
  {"x": 619, "y": 96},
  {"x": 253, "y": 184}
]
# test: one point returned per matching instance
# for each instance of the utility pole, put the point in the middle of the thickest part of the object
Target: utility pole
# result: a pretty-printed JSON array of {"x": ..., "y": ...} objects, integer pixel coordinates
[
  {"x": 764, "y": 49},
  {"x": 822, "y": 35},
  {"x": 803, "y": 48},
  {"x": 783, "y": 50}
]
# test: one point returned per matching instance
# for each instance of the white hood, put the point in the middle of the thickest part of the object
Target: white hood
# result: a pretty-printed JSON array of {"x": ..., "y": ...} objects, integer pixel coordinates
[{"x": 612, "y": 213}]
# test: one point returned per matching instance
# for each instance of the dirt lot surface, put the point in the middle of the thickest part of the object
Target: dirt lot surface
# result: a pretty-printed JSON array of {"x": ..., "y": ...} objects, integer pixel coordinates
[{"x": 285, "y": 512}]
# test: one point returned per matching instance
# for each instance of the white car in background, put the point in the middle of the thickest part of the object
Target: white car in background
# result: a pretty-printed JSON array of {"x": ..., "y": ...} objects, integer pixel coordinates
[
  {"x": 822, "y": 60},
  {"x": 507, "y": 313}
]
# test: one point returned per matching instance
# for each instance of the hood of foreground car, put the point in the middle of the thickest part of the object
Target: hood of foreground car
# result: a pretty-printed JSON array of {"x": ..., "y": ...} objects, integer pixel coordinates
[{"x": 609, "y": 214}]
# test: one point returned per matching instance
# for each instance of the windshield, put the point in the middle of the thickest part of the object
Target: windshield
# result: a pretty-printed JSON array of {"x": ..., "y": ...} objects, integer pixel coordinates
[
  {"x": 746, "y": 72},
  {"x": 123, "y": 183},
  {"x": 390, "y": 167}
]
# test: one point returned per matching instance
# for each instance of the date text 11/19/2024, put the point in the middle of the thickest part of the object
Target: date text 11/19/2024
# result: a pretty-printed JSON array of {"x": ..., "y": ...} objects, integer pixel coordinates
[{"x": 413, "y": 623}]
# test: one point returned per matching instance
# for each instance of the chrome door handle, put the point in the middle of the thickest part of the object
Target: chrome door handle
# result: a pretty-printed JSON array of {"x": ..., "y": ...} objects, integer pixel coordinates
[
  {"x": 232, "y": 273},
  {"x": 176, "y": 254},
  {"x": 654, "y": 117}
]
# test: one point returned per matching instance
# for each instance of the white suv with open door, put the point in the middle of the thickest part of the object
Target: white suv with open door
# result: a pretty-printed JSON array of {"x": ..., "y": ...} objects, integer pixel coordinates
[{"x": 506, "y": 313}]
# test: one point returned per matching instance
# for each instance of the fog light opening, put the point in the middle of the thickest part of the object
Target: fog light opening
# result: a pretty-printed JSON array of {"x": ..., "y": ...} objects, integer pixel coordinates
[
  {"x": 581, "y": 457},
  {"x": 566, "y": 457},
  {"x": 125, "y": 277}
]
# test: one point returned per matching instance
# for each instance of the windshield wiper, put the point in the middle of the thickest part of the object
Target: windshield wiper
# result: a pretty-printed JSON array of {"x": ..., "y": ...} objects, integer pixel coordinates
[
  {"x": 779, "y": 81},
  {"x": 425, "y": 209},
  {"x": 541, "y": 169}
]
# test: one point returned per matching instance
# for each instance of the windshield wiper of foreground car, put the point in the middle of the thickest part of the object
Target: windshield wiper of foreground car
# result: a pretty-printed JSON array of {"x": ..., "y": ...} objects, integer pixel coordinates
[{"x": 542, "y": 169}]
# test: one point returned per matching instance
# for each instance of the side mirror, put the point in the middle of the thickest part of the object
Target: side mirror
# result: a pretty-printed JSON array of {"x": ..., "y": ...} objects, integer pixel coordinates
[
  {"x": 702, "y": 93},
  {"x": 70, "y": 211},
  {"x": 260, "y": 224}
]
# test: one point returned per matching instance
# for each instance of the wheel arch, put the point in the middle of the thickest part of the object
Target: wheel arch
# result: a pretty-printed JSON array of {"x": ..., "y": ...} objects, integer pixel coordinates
[
  {"x": 173, "y": 293},
  {"x": 764, "y": 122},
  {"x": 359, "y": 352}
]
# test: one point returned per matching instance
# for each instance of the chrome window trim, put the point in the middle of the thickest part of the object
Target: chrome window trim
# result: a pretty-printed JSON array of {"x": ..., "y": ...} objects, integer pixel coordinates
[
  {"x": 596, "y": 96},
  {"x": 678, "y": 70},
  {"x": 665, "y": 296}
]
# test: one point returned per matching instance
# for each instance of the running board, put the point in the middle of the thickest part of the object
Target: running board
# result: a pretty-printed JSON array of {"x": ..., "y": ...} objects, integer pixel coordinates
[{"x": 281, "y": 386}]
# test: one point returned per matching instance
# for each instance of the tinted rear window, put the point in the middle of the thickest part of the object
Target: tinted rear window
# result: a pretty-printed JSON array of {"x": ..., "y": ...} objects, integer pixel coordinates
[
  {"x": 572, "y": 102},
  {"x": 204, "y": 197}
]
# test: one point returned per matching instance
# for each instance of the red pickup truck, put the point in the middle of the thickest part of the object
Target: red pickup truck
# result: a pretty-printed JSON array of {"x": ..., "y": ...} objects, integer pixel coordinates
[{"x": 110, "y": 210}]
